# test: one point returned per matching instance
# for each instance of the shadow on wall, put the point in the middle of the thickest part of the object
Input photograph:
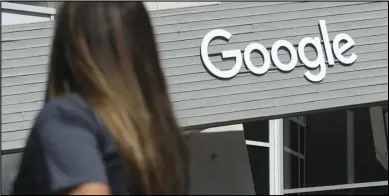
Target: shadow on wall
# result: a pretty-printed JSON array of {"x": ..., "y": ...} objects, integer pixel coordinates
[
  {"x": 219, "y": 163},
  {"x": 9, "y": 166}
]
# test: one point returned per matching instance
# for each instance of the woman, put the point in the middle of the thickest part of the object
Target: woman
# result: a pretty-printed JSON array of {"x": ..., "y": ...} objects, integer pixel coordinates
[{"x": 107, "y": 126}]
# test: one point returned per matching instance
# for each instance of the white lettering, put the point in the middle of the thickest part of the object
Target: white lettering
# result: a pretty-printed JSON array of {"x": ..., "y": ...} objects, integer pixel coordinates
[
  {"x": 293, "y": 55},
  {"x": 266, "y": 58},
  {"x": 319, "y": 62},
  {"x": 326, "y": 40},
  {"x": 313, "y": 64},
  {"x": 338, "y": 51},
  {"x": 225, "y": 54}
]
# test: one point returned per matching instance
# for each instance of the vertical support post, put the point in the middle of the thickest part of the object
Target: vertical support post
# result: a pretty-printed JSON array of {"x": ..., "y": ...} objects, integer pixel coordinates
[
  {"x": 276, "y": 159},
  {"x": 350, "y": 148}
]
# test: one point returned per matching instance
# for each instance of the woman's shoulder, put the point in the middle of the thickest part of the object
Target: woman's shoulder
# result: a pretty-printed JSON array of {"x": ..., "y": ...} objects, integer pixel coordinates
[
  {"x": 68, "y": 104},
  {"x": 69, "y": 148},
  {"x": 67, "y": 112},
  {"x": 68, "y": 107},
  {"x": 65, "y": 122}
]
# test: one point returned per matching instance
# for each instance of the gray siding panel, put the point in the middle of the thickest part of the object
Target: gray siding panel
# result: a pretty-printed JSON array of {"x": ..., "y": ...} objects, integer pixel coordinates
[
  {"x": 16, "y": 135},
  {"x": 23, "y": 89},
  {"x": 22, "y": 62},
  {"x": 23, "y": 79},
  {"x": 280, "y": 88},
  {"x": 153, "y": 14},
  {"x": 21, "y": 71},
  {"x": 223, "y": 6},
  {"x": 263, "y": 22},
  {"x": 18, "y": 117},
  {"x": 208, "y": 83},
  {"x": 274, "y": 110},
  {"x": 198, "y": 98},
  {"x": 16, "y": 126},
  {"x": 295, "y": 12}
]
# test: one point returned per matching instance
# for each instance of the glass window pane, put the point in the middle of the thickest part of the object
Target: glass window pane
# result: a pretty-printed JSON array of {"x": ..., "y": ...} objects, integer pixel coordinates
[
  {"x": 302, "y": 140},
  {"x": 328, "y": 160},
  {"x": 259, "y": 162},
  {"x": 302, "y": 173},
  {"x": 291, "y": 135},
  {"x": 369, "y": 156},
  {"x": 326, "y": 153},
  {"x": 291, "y": 171},
  {"x": 257, "y": 130}
]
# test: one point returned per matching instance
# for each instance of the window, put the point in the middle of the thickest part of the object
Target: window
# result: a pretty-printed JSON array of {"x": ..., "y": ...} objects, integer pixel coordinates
[
  {"x": 294, "y": 152},
  {"x": 379, "y": 118},
  {"x": 257, "y": 139},
  {"x": 333, "y": 152},
  {"x": 338, "y": 153}
]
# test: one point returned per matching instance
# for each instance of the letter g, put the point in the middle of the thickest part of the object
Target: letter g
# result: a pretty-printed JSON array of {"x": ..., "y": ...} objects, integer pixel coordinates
[{"x": 225, "y": 54}]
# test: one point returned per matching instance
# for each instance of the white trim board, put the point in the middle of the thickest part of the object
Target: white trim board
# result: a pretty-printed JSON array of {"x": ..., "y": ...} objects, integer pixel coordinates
[
  {"x": 28, "y": 8},
  {"x": 156, "y": 5},
  {"x": 336, "y": 187},
  {"x": 276, "y": 157},
  {"x": 256, "y": 143}
]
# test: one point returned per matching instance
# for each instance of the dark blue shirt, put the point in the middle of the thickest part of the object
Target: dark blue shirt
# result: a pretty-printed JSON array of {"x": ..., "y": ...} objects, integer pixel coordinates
[{"x": 68, "y": 147}]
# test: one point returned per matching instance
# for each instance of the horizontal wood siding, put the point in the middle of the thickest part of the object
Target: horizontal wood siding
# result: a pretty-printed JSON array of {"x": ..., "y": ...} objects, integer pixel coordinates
[{"x": 198, "y": 98}]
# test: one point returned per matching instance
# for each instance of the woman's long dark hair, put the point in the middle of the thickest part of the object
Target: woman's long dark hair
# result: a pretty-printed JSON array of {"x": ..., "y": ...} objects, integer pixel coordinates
[{"x": 106, "y": 52}]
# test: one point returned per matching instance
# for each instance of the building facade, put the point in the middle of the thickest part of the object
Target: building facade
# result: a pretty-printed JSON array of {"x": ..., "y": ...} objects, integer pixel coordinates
[{"x": 275, "y": 97}]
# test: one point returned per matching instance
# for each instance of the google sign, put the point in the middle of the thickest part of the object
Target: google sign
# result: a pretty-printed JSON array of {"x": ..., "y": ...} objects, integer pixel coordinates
[{"x": 336, "y": 49}]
